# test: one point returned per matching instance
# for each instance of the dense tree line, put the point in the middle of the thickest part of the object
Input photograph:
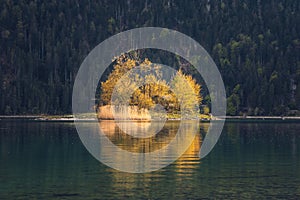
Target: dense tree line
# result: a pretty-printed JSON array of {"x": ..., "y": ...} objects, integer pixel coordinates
[{"x": 255, "y": 44}]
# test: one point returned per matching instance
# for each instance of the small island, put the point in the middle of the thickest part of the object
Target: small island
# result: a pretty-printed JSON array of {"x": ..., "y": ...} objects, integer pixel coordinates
[{"x": 146, "y": 95}]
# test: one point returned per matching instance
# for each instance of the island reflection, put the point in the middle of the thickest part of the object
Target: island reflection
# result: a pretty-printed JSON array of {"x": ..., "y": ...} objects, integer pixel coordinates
[{"x": 127, "y": 142}]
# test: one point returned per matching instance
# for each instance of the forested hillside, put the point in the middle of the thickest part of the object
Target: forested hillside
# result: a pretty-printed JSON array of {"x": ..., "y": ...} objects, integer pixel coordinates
[{"x": 255, "y": 44}]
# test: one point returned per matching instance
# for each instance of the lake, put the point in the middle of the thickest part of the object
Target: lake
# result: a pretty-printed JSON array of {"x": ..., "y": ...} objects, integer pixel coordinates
[{"x": 46, "y": 160}]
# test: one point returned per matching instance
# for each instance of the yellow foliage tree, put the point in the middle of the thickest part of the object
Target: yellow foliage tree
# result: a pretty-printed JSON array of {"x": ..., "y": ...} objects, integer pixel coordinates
[
  {"x": 187, "y": 93},
  {"x": 183, "y": 92}
]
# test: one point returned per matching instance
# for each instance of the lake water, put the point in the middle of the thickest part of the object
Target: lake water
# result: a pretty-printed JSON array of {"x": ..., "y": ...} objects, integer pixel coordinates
[{"x": 46, "y": 160}]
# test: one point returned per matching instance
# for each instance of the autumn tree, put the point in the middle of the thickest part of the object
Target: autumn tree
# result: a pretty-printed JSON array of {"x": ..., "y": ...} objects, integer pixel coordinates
[
  {"x": 147, "y": 94},
  {"x": 122, "y": 65},
  {"x": 187, "y": 93},
  {"x": 147, "y": 88},
  {"x": 181, "y": 93}
]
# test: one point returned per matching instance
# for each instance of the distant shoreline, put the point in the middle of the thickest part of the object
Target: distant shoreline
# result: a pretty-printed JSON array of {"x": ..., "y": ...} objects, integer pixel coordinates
[
  {"x": 70, "y": 118},
  {"x": 263, "y": 117}
]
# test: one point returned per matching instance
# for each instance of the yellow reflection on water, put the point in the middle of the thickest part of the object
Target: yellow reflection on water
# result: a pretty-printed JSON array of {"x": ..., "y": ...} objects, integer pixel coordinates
[
  {"x": 186, "y": 166},
  {"x": 157, "y": 142},
  {"x": 138, "y": 145},
  {"x": 190, "y": 161}
]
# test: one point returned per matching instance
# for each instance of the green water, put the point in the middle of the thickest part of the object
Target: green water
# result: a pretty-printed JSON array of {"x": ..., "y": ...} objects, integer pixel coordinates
[{"x": 45, "y": 160}]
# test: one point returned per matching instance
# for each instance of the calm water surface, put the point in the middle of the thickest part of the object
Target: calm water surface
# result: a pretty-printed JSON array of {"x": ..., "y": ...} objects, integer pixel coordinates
[{"x": 46, "y": 160}]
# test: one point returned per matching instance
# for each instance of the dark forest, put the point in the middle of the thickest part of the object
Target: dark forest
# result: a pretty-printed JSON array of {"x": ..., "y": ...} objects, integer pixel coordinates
[{"x": 255, "y": 44}]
